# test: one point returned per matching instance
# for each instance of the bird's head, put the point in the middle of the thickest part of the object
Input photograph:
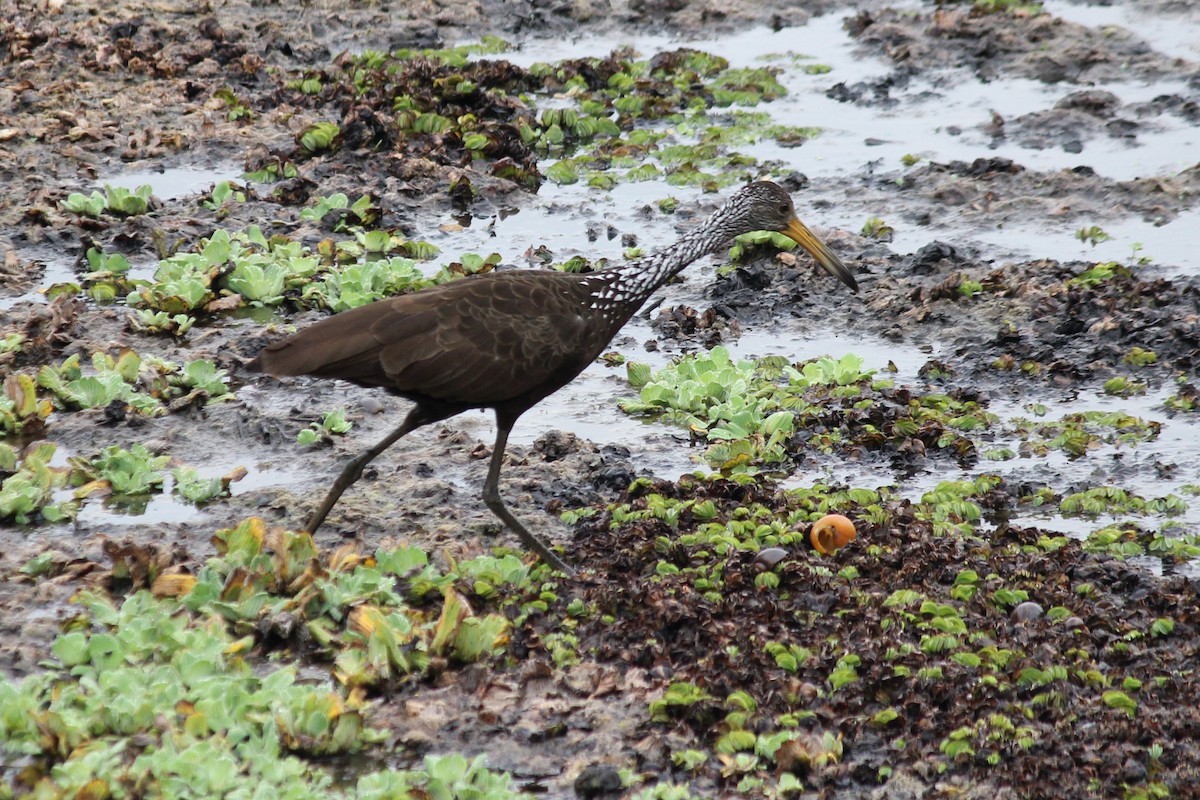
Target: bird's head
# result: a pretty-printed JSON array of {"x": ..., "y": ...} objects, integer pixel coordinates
[{"x": 765, "y": 206}]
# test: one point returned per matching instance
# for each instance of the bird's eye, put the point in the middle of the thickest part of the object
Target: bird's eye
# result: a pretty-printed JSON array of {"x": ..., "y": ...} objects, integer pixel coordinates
[{"x": 783, "y": 208}]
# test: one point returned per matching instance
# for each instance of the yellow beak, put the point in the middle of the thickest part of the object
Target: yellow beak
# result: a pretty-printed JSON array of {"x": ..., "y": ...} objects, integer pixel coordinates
[{"x": 798, "y": 232}]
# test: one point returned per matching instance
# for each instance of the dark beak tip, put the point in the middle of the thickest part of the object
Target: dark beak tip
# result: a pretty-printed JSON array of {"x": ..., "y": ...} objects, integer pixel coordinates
[{"x": 843, "y": 274}]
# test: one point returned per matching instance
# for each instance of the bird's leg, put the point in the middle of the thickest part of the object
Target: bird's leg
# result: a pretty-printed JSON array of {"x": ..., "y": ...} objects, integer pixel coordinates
[
  {"x": 491, "y": 497},
  {"x": 351, "y": 472}
]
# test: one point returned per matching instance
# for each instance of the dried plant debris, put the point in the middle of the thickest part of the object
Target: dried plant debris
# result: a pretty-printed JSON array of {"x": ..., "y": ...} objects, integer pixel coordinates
[{"x": 915, "y": 644}]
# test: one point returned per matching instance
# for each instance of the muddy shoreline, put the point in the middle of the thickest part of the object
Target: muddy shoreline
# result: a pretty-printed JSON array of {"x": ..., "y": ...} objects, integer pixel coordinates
[{"x": 976, "y": 299}]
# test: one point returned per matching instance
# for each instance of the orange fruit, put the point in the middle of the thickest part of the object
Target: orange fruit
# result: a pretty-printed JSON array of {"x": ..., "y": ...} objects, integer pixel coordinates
[{"x": 831, "y": 532}]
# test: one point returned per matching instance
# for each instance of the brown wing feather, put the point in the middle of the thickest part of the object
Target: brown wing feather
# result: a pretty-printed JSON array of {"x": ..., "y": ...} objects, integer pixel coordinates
[
  {"x": 342, "y": 343},
  {"x": 477, "y": 341}
]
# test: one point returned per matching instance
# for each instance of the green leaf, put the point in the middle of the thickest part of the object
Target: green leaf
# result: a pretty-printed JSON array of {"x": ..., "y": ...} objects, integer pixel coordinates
[
  {"x": 736, "y": 741},
  {"x": 377, "y": 241},
  {"x": 562, "y": 173},
  {"x": 1162, "y": 626},
  {"x": 480, "y": 636},
  {"x": 781, "y": 422},
  {"x": 319, "y": 136},
  {"x": 448, "y": 769},
  {"x": 475, "y": 141},
  {"x": 903, "y": 598},
  {"x": 885, "y": 716},
  {"x": 71, "y": 649},
  {"x": 1118, "y": 699}
]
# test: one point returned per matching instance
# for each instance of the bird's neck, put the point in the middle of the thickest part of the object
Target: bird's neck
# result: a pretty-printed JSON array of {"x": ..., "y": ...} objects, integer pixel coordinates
[{"x": 633, "y": 283}]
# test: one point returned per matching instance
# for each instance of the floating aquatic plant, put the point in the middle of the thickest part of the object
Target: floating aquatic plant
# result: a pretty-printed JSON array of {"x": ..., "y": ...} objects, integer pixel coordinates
[{"x": 114, "y": 199}]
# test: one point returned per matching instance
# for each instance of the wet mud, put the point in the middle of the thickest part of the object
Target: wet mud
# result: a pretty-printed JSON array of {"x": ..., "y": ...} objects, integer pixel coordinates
[{"x": 963, "y": 307}]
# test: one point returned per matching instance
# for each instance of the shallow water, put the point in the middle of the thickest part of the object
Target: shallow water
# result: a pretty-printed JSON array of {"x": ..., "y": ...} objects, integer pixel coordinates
[
  {"x": 1173, "y": 34},
  {"x": 1169, "y": 246},
  {"x": 935, "y": 121},
  {"x": 173, "y": 182}
]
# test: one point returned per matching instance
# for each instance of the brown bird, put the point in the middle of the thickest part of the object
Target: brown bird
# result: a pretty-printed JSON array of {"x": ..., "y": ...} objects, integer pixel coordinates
[{"x": 507, "y": 340}]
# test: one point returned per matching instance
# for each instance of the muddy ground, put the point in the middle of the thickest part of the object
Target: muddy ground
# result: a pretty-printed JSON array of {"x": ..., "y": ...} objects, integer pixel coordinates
[{"x": 93, "y": 91}]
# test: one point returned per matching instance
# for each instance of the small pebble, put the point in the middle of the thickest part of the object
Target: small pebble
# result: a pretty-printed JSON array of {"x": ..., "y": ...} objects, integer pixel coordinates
[
  {"x": 596, "y": 780},
  {"x": 1134, "y": 771},
  {"x": 768, "y": 558},
  {"x": 370, "y": 405},
  {"x": 1027, "y": 611}
]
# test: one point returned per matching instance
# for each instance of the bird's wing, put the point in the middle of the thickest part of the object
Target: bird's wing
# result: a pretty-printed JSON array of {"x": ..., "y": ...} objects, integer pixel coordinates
[
  {"x": 475, "y": 341},
  {"x": 499, "y": 339}
]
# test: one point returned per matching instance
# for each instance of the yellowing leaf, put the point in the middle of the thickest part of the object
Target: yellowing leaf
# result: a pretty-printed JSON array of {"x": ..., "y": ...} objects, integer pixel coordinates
[
  {"x": 247, "y": 537},
  {"x": 97, "y": 487},
  {"x": 177, "y": 584},
  {"x": 365, "y": 620},
  {"x": 454, "y": 610}
]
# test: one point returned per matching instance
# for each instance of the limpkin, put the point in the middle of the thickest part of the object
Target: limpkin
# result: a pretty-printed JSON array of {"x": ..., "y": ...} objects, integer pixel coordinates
[{"x": 507, "y": 340}]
